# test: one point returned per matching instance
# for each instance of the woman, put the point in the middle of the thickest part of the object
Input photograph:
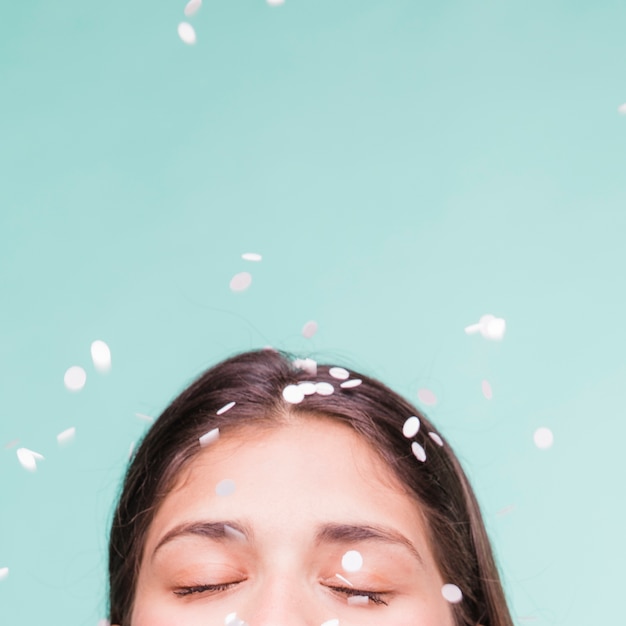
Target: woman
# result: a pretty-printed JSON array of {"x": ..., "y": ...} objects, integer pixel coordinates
[{"x": 274, "y": 492}]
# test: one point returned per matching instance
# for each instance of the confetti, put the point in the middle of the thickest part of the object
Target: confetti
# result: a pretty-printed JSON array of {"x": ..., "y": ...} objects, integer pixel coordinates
[
  {"x": 436, "y": 438},
  {"x": 350, "y": 384},
  {"x": 226, "y": 407},
  {"x": 426, "y": 396},
  {"x": 489, "y": 326},
  {"x": 418, "y": 451},
  {"x": 131, "y": 449},
  {"x": 506, "y": 510},
  {"x": 233, "y": 533},
  {"x": 28, "y": 458},
  {"x": 451, "y": 593},
  {"x": 621, "y": 109},
  {"x": 339, "y": 372},
  {"x": 359, "y": 600},
  {"x": 187, "y": 33},
  {"x": 293, "y": 394},
  {"x": 307, "y": 388},
  {"x": 145, "y": 418},
  {"x": 411, "y": 426},
  {"x": 4, "y": 572},
  {"x": 225, "y": 487},
  {"x": 543, "y": 438},
  {"x": 275, "y": 3},
  {"x": 11, "y": 444},
  {"x": 75, "y": 378},
  {"x": 67, "y": 436},
  {"x": 487, "y": 391},
  {"x": 241, "y": 281},
  {"x": 101, "y": 356},
  {"x": 324, "y": 389},
  {"x": 233, "y": 620},
  {"x": 331, "y": 622},
  {"x": 251, "y": 256},
  {"x": 210, "y": 437},
  {"x": 352, "y": 561},
  {"x": 104, "y": 622},
  {"x": 308, "y": 365},
  {"x": 192, "y": 7},
  {"x": 309, "y": 329},
  {"x": 345, "y": 580}
]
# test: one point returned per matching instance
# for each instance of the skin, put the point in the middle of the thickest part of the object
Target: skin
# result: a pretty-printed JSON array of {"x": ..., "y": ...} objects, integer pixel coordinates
[{"x": 289, "y": 481}]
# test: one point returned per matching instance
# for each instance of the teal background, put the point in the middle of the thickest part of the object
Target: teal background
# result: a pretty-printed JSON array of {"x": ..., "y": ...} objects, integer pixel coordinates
[{"x": 404, "y": 167}]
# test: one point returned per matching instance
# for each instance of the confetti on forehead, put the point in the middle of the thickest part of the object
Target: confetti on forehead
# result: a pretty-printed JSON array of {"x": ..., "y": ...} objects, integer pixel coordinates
[
  {"x": 350, "y": 384},
  {"x": 188, "y": 35},
  {"x": 192, "y": 7},
  {"x": 451, "y": 593},
  {"x": 210, "y": 437},
  {"x": 418, "y": 451},
  {"x": 225, "y": 487},
  {"x": 75, "y": 378},
  {"x": 324, "y": 389},
  {"x": 352, "y": 561},
  {"x": 101, "y": 356},
  {"x": 339, "y": 372},
  {"x": 411, "y": 426},
  {"x": 309, "y": 329},
  {"x": 436, "y": 438},
  {"x": 241, "y": 281},
  {"x": 66, "y": 436},
  {"x": 543, "y": 438},
  {"x": 226, "y": 407},
  {"x": 293, "y": 394},
  {"x": 251, "y": 256}
]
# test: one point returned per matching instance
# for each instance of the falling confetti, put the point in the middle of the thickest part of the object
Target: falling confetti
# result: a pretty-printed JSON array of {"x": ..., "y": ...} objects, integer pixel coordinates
[
  {"x": 192, "y": 7},
  {"x": 75, "y": 378},
  {"x": 225, "y": 487},
  {"x": 210, "y": 437},
  {"x": 241, "y": 281},
  {"x": 307, "y": 388},
  {"x": 352, "y": 561},
  {"x": 131, "y": 449},
  {"x": 4, "y": 572},
  {"x": 426, "y": 396},
  {"x": 251, "y": 256},
  {"x": 11, "y": 444},
  {"x": 187, "y": 33},
  {"x": 489, "y": 326},
  {"x": 451, "y": 593},
  {"x": 436, "y": 438},
  {"x": 331, "y": 622},
  {"x": 411, "y": 426},
  {"x": 487, "y": 391},
  {"x": 226, "y": 407},
  {"x": 293, "y": 394},
  {"x": 28, "y": 458},
  {"x": 309, "y": 329},
  {"x": 506, "y": 510},
  {"x": 621, "y": 109},
  {"x": 308, "y": 365},
  {"x": 67, "y": 436},
  {"x": 145, "y": 418},
  {"x": 275, "y": 3},
  {"x": 339, "y": 372},
  {"x": 324, "y": 389},
  {"x": 418, "y": 451},
  {"x": 543, "y": 438},
  {"x": 101, "y": 356},
  {"x": 350, "y": 384}
]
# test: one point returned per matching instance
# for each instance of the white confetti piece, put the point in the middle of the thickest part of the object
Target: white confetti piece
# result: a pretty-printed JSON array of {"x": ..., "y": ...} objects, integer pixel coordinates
[
  {"x": 309, "y": 329},
  {"x": 275, "y": 3},
  {"x": 451, "y": 593},
  {"x": 344, "y": 580},
  {"x": 411, "y": 426},
  {"x": 487, "y": 391},
  {"x": 187, "y": 33},
  {"x": 436, "y": 438},
  {"x": 418, "y": 451},
  {"x": 307, "y": 365},
  {"x": 339, "y": 372},
  {"x": 131, "y": 449},
  {"x": 210, "y": 437},
  {"x": 358, "y": 600},
  {"x": 104, "y": 622},
  {"x": 543, "y": 438},
  {"x": 293, "y": 394},
  {"x": 67, "y": 436},
  {"x": 28, "y": 458},
  {"x": 75, "y": 378},
  {"x": 352, "y": 561},
  {"x": 226, "y": 407},
  {"x": 4, "y": 572},
  {"x": 233, "y": 620},
  {"x": 101, "y": 356},
  {"x": 426, "y": 396},
  {"x": 506, "y": 510},
  {"x": 350, "y": 384},
  {"x": 225, "y": 487},
  {"x": 241, "y": 281},
  {"x": 489, "y": 326},
  {"x": 192, "y": 7},
  {"x": 621, "y": 109},
  {"x": 324, "y": 389},
  {"x": 251, "y": 256},
  {"x": 307, "y": 387},
  {"x": 145, "y": 418},
  {"x": 233, "y": 533},
  {"x": 331, "y": 622}
]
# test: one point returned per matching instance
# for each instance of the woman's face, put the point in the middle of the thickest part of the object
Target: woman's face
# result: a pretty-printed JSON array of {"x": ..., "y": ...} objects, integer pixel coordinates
[{"x": 258, "y": 528}]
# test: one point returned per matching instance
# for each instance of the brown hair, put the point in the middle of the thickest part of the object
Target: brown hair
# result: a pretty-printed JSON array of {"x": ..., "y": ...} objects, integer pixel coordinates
[{"x": 255, "y": 381}]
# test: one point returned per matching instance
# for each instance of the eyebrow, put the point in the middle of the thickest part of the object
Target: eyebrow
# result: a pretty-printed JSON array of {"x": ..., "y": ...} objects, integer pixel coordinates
[{"x": 329, "y": 533}]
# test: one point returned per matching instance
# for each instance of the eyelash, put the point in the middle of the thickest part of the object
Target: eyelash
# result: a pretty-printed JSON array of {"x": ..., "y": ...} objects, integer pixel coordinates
[{"x": 373, "y": 596}]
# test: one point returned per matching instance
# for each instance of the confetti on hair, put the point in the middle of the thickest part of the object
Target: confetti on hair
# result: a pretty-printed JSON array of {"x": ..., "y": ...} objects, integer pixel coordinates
[
  {"x": 436, "y": 438},
  {"x": 352, "y": 561},
  {"x": 233, "y": 533},
  {"x": 28, "y": 458},
  {"x": 339, "y": 372},
  {"x": 293, "y": 394},
  {"x": 324, "y": 389},
  {"x": 251, "y": 256},
  {"x": 187, "y": 34},
  {"x": 359, "y": 600},
  {"x": 241, "y": 281},
  {"x": 225, "y": 487},
  {"x": 67, "y": 436},
  {"x": 309, "y": 329},
  {"x": 4, "y": 572},
  {"x": 192, "y": 7},
  {"x": 451, "y": 593},
  {"x": 418, "y": 451},
  {"x": 210, "y": 437},
  {"x": 331, "y": 622},
  {"x": 75, "y": 378},
  {"x": 411, "y": 426},
  {"x": 307, "y": 365},
  {"x": 351, "y": 384},
  {"x": 543, "y": 438},
  {"x": 426, "y": 396},
  {"x": 344, "y": 580},
  {"x": 101, "y": 355},
  {"x": 487, "y": 391},
  {"x": 226, "y": 407},
  {"x": 307, "y": 387}
]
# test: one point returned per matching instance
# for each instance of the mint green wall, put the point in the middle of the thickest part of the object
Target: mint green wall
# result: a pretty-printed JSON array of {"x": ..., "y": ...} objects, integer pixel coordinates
[{"x": 404, "y": 167}]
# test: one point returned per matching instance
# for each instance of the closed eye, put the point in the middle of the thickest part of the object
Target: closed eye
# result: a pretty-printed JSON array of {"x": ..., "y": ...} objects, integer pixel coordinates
[{"x": 196, "y": 589}]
